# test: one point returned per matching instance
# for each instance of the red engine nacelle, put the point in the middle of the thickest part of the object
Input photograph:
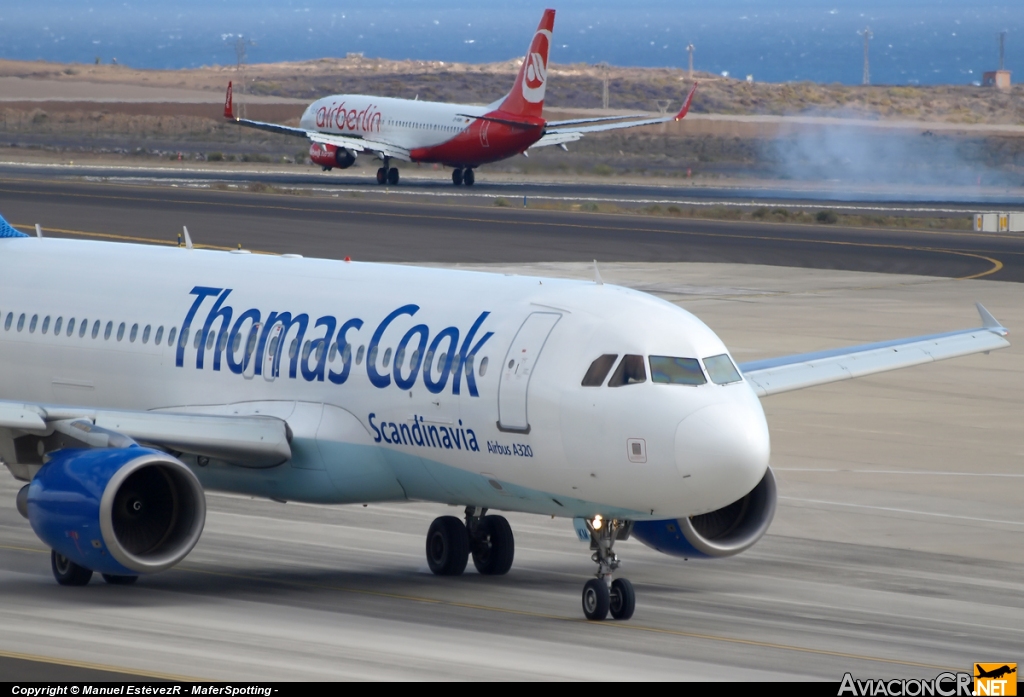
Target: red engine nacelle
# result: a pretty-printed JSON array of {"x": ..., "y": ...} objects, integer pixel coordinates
[{"x": 330, "y": 156}]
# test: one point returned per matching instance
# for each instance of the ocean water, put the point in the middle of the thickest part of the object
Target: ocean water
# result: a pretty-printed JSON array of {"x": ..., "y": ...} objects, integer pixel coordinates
[{"x": 914, "y": 41}]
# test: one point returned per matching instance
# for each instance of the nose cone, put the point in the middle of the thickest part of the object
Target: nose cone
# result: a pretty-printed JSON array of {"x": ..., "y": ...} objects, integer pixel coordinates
[{"x": 724, "y": 448}]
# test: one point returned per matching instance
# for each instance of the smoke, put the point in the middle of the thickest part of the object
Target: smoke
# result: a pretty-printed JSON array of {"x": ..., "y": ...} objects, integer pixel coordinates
[{"x": 891, "y": 158}]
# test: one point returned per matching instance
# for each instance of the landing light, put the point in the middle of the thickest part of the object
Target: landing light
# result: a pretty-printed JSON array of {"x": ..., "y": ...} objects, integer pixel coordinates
[{"x": 598, "y": 522}]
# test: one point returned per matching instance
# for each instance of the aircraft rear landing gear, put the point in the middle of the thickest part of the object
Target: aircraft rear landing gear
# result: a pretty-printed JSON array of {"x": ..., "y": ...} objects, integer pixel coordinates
[
  {"x": 457, "y": 177},
  {"x": 488, "y": 537},
  {"x": 67, "y": 572},
  {"x": 601, "y": 595}
]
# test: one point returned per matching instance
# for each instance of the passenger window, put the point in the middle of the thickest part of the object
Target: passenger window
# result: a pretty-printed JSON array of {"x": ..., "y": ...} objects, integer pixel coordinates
[
  {"x": 57, "y": 326},
  {"x": 71, "y": 326},
  {"x": 46, "y": 324},
  {"x": 333, "y": 353},
  {"x": 598, "y": 370},
  {"x": 32, "y": 324},
  {"x": 184, "y": 337},
  {"x": 159, "y": 335},
  {"x": 483, "y": 367},
  {"x": 630, "y": 372},
  {"x": 7, "y": 322},
  {"x": 251, "y": 346},
  {"x": 21, "y": 322},
  {"x": 95, "y": 329},
  {"x": 306, "y": 348},
  {"x": 195, "y": 344},
  {"x": 209, "y": 340},
  {"x": 134, "y": 333},
  {"x": 106, "y": 331},
  {"x": 676, "y": 371},
  {"x": 236, "y": 343},
  {"x": 120, "y": 331},
  {"x": 145, "y": 334},
  {"x": 721, "y": 370},
  {"x": 359, "y": 355}
]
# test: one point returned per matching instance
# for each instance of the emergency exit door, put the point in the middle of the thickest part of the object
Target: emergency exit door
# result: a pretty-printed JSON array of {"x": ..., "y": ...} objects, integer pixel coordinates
[{"x": 518, "y": 368}]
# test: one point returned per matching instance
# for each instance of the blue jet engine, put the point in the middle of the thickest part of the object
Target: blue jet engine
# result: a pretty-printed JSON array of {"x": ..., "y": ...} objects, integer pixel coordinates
[
  {"x": 119, "y": 511},
  {"x": 722, "y": 533}
]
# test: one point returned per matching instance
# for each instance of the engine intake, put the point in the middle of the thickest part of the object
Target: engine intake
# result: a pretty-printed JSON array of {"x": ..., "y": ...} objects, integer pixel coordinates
[
  {"x": 121, "y": 511},
  {"x": 722, "y": 533},
  {"x": 330, "y": 156}
]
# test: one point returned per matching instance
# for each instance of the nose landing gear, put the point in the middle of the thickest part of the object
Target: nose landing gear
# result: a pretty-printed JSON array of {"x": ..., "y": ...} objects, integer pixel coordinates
[{"x": 601, "y": 595}]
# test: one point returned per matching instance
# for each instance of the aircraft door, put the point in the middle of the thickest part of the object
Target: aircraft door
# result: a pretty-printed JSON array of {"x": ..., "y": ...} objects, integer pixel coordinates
[{"x": 518, "y": 368}]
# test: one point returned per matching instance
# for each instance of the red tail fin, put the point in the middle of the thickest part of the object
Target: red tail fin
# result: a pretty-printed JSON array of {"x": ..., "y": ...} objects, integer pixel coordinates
[
  {"x": 527, "y": 95},
  {"x": 229, "y": 104}
]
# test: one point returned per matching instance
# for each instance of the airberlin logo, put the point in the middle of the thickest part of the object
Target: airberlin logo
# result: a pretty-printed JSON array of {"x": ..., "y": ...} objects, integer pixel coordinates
[
  {"x": 535, "y": 76},
  {"x": 343, "y": 119}
]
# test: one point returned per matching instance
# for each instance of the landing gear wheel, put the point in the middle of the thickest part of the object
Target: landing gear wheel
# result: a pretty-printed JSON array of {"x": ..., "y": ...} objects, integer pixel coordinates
[
  {"x": 393, "y": 176},
  {"x": 457, "y": 177},
  {"x": 623, "y": 599},
  {"x": 447, "y": 546},
  {"x": 494, "y": 546},
  {"x": 382, "y": 175},
  {"x": 468, "y": 178},
  {"x": 115, "y": 580},
  {"x": 596, "y": 599},
  {"x": 67, "y": 572}
]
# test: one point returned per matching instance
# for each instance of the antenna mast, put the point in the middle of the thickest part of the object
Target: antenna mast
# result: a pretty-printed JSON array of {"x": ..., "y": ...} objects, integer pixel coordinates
[
  {"x": 867, "y": 69},
  {"x": 689, "y": 49},
  {"x": 1002, "y": 49}
]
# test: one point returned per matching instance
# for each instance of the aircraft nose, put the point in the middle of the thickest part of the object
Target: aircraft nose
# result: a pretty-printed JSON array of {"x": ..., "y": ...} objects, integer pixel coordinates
[{"x": 725, "y": 448}]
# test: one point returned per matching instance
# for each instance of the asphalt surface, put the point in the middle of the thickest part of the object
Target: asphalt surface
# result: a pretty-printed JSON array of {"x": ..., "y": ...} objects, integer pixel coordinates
[
  {"x": 894, "y": 551},
  {"x": 840, "y": 195},
  {"x": 406, "y": 229}
]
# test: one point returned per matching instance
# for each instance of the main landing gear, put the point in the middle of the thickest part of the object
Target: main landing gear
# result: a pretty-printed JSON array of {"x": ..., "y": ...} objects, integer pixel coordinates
[
  {"x": 602, "y": 595},
  {"x": 387, "y": 174},
  {"x": 68, "y": 573},
  {"x": 487, "y": 537},
  {"x": 463, "y": 176}
]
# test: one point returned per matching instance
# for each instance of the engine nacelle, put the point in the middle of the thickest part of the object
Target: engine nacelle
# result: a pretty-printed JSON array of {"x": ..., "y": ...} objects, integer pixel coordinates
[
  {"x": 331, "y": 156},
  {"x": 121, "y": 511},
  {"x": 722, "y": 533}
]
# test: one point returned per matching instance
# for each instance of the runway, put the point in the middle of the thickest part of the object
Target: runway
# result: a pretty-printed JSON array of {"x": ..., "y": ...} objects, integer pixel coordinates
[
  {"x": 895, "y": 550},
  {"x": 846, "y": 196},
  {"x": 403, "y": 229}
]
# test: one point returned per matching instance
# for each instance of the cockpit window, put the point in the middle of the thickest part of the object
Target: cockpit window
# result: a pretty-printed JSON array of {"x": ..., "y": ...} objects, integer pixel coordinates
[
  {"x": 721, "y": 370},
  {"x": 598, "y": 370},
  {"x": 630, "y": 372},
  {"x": 676, "y": 371}
]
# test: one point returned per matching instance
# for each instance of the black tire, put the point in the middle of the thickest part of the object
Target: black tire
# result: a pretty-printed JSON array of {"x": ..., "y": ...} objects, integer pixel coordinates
[
  {"x": 457, "y": 177},
  {"x": 381, "y": 176},
  {"x": 67, "y": 572},
  {"x": 115, "y": 580},
  {"x": 393, "y": 176},
  {"x": 468, "y": 178},
  {"x": 494, "y": 547},
  {"x": 596, "y": 599},
  {"x": 622, "y": 600},
  {"x": 447, "y": 546}
]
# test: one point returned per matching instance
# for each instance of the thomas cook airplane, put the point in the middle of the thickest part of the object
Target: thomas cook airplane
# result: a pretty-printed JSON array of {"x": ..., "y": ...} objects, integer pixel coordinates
[
  {"x": 461, "y": 136},
  {"x": 125, "y": 396}
]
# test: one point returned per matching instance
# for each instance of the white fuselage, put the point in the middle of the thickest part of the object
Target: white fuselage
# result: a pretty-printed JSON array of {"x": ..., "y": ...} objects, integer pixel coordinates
[
  {"x": 407, "y": 123},
  {"x": 449, "y": 386}
]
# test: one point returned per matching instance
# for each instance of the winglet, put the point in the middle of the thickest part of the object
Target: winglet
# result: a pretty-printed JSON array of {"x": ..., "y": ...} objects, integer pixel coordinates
[
  {"x": 7, "y": 230},
  {"x": 229, "y": 104},
  {"x": 686, "y": 104},
  {"x": 188, "y": 240},
  {"x": 597, "y": 275},
  {"x": 990, "y": 322}
]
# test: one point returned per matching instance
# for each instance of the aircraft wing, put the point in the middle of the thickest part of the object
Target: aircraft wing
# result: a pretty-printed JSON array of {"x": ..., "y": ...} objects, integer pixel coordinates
[
  {"x": 250, "y": 441},
  {"x": 796, "y": 372},
  {"x": 561, "y": 132},
  {"x": 360, "y": 145}
]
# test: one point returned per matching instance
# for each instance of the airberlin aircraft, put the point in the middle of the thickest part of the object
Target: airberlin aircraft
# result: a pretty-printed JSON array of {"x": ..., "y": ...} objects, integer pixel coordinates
[
  {"x": 332, "y": 382},
  {"x": 460, "y": 136}
]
